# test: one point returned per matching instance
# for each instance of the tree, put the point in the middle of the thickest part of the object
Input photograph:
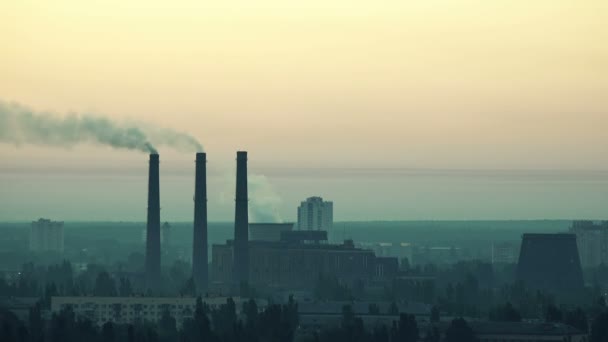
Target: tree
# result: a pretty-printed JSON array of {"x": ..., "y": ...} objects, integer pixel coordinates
[
  {"x": 250, "y": 309},
  {"x": 189, "y": 288},
  {"x": 125, "y": 289},
  {"x": 167, "y": 329},
  {"x": 107, "y": 332},
  {"x": 406, "y": 330},
  {"x": 435, "y": 314},
  {"x": 62, "y": 326},
  {"x": 348, "y": 316},
  {"x": 374, "y": 309},
  {"x": 553, "y": 314},
  {"x": 104, "y": 285},
  {"x": 599, "y": 328},
  {"x": 36, "y": 324},
  {"x": 380, "y": 334},
  {"x": 459, "y": 331},
  {"x": 505, "y": 313},
  {"x": 393, "y": 309},
  {"x": 577, "y": 318},
  {"x": 198, "y": 328},
  {"x": 432, "y": 335}
]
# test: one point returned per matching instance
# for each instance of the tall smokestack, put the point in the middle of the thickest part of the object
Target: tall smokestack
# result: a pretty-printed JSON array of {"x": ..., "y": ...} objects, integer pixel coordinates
[
  {"x": 153, "y": 228},
  {"x": 241, "y": 223},
  {"x": 199, "y": 247}
]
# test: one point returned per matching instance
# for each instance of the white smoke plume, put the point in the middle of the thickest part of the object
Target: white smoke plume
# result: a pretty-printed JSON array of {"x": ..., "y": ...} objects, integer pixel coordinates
[
  {"x": 263, "y": 200},
  {"x": 20, "y": 125}
]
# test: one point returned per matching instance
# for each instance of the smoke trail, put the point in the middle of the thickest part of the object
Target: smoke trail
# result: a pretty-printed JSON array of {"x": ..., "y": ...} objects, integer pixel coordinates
[
  {"x": 177, "y": 140},
  {"x": 263, "y": 200},
  {"x": 20, "y": 125}
]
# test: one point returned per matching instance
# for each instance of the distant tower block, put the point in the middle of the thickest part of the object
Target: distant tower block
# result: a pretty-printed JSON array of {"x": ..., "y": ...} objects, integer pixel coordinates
[
  {"x": 153, "y": 227},
  {"x": 550, "y": 262},
  {"x": 199, "y": 243}
]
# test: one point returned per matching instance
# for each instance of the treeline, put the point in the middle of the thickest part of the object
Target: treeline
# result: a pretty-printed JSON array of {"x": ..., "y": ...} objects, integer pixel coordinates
[{"x": 277, "y": 323}]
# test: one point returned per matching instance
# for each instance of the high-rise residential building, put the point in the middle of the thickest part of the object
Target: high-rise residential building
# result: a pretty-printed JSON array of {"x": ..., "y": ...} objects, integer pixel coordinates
[
  {"x": 592, "y": 241},
  {"x": 46, "y": 236},
  {"x": 504, "y": 253},
  {"x": 315, "y": 214}
]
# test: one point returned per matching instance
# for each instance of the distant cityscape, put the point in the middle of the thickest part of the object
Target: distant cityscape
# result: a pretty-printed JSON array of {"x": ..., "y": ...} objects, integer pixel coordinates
[{"x": 316, "y": 273}]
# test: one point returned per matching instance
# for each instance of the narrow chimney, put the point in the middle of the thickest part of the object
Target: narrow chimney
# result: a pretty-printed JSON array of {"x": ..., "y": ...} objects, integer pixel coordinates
[
  {"x": 153, "y": 227},
  {"x": 241, "y": 224},
  {"x": 199, "y": 247}
]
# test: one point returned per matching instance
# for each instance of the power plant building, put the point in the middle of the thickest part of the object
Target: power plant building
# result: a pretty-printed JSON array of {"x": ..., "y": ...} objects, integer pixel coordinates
[
  {"x": 268, "y": 231},
  {"x": 550, "y": 262},
  {"x": 315, "y": 214},
  {"x": 291, "y": 264},
  {"x": 46, "y": 236}
]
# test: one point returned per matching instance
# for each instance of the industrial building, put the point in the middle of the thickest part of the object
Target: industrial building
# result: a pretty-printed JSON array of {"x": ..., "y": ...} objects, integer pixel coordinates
[
  {"x": 268, "y": 231},
  {"x": 592, "y": 242},
  {"x": 297, "y": 261},
  {"x": 504, "y": 253},
  {"x": 46, "y": 236},
  {"x": 550, "y": 262},
  {"x": 315, "y": 214}
]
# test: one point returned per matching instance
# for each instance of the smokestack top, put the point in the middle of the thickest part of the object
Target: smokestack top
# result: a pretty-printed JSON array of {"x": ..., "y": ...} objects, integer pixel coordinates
[
  {"x": 241, "y": 154},
  {"x": 200, "y": 156},
  {"x": 153, "y": 156}
]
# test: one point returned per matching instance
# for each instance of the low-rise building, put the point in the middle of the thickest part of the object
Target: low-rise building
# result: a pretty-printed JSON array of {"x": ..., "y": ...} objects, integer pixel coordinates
[{"x": 131, "y": 310}]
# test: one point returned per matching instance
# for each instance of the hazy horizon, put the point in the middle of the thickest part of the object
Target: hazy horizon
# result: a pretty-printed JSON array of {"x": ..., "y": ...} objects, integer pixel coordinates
[{"x": 399, "y": 110}]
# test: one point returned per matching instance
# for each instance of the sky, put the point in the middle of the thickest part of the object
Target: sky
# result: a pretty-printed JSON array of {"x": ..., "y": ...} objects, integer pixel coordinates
[{"x": 317, "y": 91}]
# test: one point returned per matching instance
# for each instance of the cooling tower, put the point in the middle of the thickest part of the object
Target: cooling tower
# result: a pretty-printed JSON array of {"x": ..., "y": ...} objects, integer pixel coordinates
[
  {"x": 153, "y": 227},
  {"x": 241, "y": 223},
  {"x": 550, "y": 262},
  {"x": 199, "y": 246}
]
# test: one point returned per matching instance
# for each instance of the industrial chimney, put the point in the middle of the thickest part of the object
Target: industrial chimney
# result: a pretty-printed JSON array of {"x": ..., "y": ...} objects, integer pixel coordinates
[
  {"x": 153, "y": 227},
  {"x": 199, "y": 247},
  {"x": 241, "y": 224}
]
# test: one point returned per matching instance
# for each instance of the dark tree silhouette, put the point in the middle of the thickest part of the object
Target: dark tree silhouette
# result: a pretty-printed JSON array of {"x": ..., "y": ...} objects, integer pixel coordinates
[
  {"x": 459, "y": 331},
  {"x": 104, "y": 285},
  {"x": 599, "y": 328},
  {"x": 504, "y": 313},
  {"x": 435, "y": 314}
]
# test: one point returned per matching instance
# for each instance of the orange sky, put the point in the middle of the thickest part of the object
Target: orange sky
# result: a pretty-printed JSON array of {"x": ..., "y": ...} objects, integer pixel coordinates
[{"x": 438, "y": 84}]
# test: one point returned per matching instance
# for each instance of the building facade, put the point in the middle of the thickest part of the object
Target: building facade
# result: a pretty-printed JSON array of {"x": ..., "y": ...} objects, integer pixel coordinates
[
  {"x": 315, "y": 214},
  {"x": 46, "y": 236},
  {"x": 504, "y": 253},
  {"x": 132, "y": 310},
  {"x": 592, "y": 242},
  {"x": 282, "y": 265},
  {"x": 268, "y": 231}
]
